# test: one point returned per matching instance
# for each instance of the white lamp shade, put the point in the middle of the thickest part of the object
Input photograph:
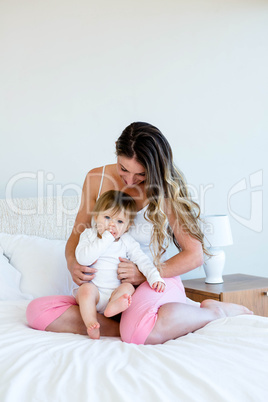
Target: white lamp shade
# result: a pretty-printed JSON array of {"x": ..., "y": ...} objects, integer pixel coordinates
[{"x": 217, "y": 231}]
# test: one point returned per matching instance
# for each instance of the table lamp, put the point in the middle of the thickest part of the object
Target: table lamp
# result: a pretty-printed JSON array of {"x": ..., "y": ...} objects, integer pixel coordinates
[{"x": 217, "y": 231}]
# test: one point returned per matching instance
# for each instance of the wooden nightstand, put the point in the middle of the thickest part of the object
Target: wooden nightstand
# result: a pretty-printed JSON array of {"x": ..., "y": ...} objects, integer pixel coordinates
[{"x": 250, "y": 291}]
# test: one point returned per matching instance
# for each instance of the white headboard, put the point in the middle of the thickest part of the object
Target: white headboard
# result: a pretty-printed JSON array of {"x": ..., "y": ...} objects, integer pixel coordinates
[{"x": 49, "y": 217}]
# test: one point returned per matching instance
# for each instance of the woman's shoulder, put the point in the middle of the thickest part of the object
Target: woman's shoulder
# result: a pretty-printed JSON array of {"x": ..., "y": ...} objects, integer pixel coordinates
[
  {"x": 102, "y": 178},
  {"x": 105, "y": 169},
  {"x": 92, "y": 178}
]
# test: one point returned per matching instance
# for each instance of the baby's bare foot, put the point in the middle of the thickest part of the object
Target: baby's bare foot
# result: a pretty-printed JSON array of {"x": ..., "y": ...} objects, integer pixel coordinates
[
  {"x": 117, "y": 306},
  {"x": 225, "y": 309},
  {"x": 93, "y": 330}
]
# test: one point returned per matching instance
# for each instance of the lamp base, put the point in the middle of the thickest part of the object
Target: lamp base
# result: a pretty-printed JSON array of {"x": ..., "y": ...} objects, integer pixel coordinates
[
  {"x": 214, "y": 266},
  {"x": 214, "y": 282}
]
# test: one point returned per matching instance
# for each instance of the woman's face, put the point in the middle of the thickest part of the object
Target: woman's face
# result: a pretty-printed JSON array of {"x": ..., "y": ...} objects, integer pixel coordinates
[{"x": 131, "y": 172}]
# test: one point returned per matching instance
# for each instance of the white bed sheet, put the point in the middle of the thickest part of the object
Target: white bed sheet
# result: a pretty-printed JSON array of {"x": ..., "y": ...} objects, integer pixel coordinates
[{"x": 225, "y": 361}]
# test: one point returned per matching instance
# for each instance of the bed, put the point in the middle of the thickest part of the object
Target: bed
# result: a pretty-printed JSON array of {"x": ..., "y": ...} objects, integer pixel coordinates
[{"x": 225, "y": 361}]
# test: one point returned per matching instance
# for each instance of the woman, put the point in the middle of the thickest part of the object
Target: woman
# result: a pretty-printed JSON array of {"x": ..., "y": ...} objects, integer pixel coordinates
[{"x": 144, "y": 170}]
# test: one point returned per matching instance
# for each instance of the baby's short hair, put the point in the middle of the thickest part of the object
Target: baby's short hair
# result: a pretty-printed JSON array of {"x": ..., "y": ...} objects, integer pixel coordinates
[{"x": 116, "y": 201}]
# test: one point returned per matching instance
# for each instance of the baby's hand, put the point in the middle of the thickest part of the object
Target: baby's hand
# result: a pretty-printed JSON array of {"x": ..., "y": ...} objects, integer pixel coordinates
[
  {"x": 113, "y": 232},
  {"x": 159, "y": 286}
]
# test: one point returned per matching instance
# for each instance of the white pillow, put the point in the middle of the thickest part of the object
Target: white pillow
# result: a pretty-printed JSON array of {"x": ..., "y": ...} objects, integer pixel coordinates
[
  {"x": 41, "y": 263},
  {"x": 9, "y": 281}
]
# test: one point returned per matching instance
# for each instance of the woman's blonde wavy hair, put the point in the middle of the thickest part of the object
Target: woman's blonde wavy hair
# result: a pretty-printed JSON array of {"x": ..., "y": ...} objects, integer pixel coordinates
[{"x": 164, "y": 181}]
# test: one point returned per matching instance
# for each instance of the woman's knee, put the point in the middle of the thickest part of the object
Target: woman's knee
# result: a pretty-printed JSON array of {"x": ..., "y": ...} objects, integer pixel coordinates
[
  {"x": 44, "y": 310},
  {"x": 31, "y": 312}
]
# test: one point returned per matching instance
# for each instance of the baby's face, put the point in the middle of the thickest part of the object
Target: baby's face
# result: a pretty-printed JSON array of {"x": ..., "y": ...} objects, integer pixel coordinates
[{"x": 116, "y": 224}]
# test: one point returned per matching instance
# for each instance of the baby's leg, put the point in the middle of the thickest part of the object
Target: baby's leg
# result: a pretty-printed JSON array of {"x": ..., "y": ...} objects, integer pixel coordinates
[
  {"x": 120, "y": 299},
  {"x": 87, "y": 297}
]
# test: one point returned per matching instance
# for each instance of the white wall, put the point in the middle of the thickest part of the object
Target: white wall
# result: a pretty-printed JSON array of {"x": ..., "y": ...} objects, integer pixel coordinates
[{"x": 73, "y": 74}]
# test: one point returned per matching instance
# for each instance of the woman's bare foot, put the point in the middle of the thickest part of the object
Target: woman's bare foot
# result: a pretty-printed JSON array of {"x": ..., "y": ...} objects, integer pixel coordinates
[
  {"x": 118, "y": 305},
  {"x": 93, "y": 330},
  {"x": 225, "y": 309}
]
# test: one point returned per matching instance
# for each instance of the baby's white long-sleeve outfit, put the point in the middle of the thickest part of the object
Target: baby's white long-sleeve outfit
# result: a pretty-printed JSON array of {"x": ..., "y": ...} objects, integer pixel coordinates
[{"x": 103, "y": 254}]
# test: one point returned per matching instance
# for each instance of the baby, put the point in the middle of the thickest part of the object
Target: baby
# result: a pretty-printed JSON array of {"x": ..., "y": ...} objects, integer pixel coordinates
[{"x": 101, "y": 247}]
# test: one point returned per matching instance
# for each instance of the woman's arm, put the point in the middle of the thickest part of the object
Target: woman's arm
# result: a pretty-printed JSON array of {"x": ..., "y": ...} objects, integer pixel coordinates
[
  {"x": 191, "y": 255},
  {"x": 83, "y": 221}
]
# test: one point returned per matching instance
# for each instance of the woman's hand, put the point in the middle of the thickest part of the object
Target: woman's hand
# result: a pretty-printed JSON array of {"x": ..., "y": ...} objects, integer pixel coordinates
[
  {"x": 81, "y": 273},
  {"x": 128, "y": 272}
]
